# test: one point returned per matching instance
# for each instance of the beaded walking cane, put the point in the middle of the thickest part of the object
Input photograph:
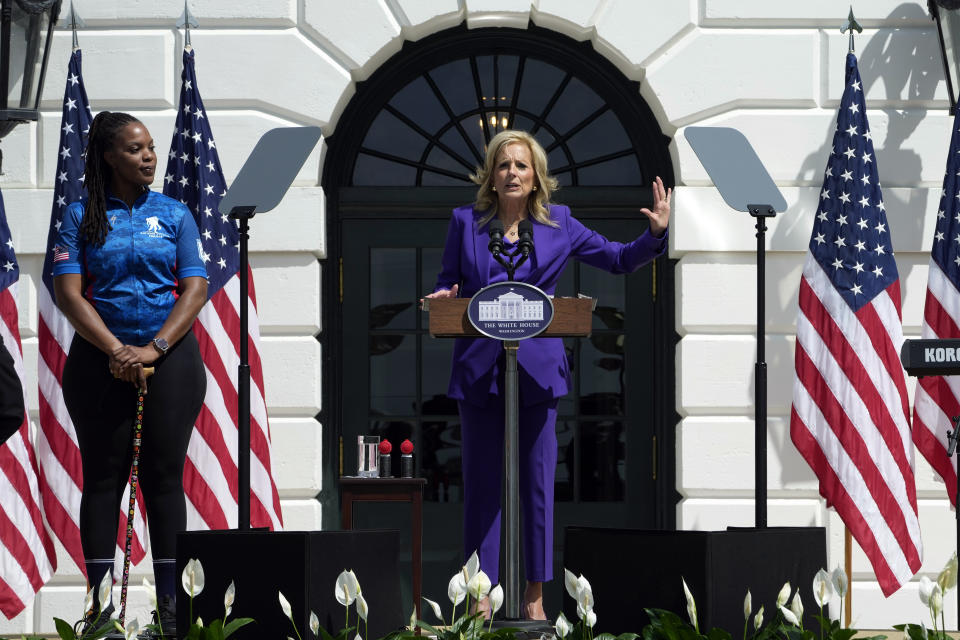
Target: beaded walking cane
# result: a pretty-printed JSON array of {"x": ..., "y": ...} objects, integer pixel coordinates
[{"x": 134, "y": 477}]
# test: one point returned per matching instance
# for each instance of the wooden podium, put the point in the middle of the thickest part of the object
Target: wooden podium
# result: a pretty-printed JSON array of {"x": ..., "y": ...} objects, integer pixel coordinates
[{"x": 449, "y": 318}]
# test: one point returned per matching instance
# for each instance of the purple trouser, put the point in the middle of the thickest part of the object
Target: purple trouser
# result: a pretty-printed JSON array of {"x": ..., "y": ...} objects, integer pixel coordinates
[{"x": 482, "y": 433}]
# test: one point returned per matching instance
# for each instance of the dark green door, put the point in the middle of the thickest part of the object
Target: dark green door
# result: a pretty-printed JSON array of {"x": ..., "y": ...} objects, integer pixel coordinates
[{"x": 394, "y": 378}]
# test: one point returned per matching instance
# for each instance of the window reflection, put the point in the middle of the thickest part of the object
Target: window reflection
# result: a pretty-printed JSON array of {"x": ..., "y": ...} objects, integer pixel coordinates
[
  {"x": 603, "y": 461},
  {"x": 392, "y": 274},
  {"x": 440, "y": 463},
  {"x": 392, "y": 388}
]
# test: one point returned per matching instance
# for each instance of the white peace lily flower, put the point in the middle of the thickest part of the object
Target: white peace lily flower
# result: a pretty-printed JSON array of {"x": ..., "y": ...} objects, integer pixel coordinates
[
  {"x": 747, "y": 606},
  {"x": 88, "y": 601},
  {"x": 362, "y": 609},
  {"x": 352, "y": 579},
  {"x": 758, "y": 619},
  {"x": 936, "y": 601},
  {"x": 434, "y": 606},
  {"x": 926, "y": 589},
  {"x": 691, "y": 604},
  {"x": 591, "y": 618},
  {"x": 839, "y": 580},
  {"x": 314, "y": 623},
  {"x": 285, "y": 606},
  {"x": 789, "y": 617},
  {"x": 471, "y": 567},
  {"x": 570, "y": 582},
  {"x": 228, "y": 597},
  {"x": 948, "y": 577},
  {"x": 344, "y": 589},
  {"x": 413, "y": 618},
  {"x": 151, "y": 593},
  {"x": 132, "y": 631},
  {"x": 584, "y": 595},
  {"x": 822, "y": 588},
  {"x": 357, "y": 637},
  {"x": 457, "y": 588},
  {"x": 563, "y": 626},
  {"x": 784, "y": 594},
  {"x": 192, "y": 578},
  {"x": 496, "y": 599},
  {"x": 796, "y": 606},
  {"x": 200, "y": 622},
  {"x": 479, "y": 585},
  {"x": 106, "y": 586}
]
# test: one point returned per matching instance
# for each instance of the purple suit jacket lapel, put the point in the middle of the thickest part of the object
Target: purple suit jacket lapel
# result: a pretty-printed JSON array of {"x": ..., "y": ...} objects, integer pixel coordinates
[{"x": 481, "y": 255}]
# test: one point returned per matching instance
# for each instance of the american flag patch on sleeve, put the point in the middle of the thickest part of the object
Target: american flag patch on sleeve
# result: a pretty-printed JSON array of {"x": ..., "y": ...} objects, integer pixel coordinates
[{"x": 60, "y": 253}]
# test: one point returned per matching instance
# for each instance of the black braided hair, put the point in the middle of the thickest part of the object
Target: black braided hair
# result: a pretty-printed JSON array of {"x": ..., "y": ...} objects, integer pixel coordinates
[{"x": 97, "y": 173}]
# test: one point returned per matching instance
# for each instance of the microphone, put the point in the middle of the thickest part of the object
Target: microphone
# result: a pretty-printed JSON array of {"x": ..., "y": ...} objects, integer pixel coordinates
[
  {"x": 496, "y": 237},
  {"x": 525, "y": 243}
]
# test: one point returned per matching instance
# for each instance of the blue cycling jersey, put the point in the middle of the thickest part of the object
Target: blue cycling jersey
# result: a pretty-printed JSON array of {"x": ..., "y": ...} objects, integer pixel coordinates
[{"x": 132, "y": 279}]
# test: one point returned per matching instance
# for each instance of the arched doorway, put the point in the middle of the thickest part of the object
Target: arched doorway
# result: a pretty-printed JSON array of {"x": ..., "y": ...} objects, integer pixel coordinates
[{"x": 396, "y": 165}]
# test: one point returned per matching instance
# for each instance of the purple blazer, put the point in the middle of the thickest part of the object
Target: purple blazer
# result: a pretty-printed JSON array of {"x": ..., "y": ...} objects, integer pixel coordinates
[{"x": 543, "y": 369}]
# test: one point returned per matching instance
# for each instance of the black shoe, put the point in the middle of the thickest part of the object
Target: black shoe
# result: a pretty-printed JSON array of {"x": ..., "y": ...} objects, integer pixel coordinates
[
  {"x": 164, "y": 620},
  {"x": 93, "y": 621}
]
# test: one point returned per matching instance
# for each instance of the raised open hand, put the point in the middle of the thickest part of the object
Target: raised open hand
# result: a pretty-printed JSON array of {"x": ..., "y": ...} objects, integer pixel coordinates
[{"x": 660, "y": 216}]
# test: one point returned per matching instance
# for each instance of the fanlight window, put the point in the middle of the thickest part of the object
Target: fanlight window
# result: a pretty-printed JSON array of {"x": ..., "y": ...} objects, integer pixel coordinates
[{"x": 433, "y": 131}]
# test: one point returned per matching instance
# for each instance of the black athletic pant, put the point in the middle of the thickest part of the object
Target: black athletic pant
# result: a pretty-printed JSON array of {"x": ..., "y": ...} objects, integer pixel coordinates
[{"x": 103, "y": 410}]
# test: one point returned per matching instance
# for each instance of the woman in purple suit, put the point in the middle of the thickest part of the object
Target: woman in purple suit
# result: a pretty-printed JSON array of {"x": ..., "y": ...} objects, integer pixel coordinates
[{"x": 515, "y": 185}]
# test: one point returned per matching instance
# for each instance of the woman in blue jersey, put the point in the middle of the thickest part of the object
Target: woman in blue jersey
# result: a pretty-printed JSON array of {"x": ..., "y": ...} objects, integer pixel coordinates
[{"x": 130, "y": 277}]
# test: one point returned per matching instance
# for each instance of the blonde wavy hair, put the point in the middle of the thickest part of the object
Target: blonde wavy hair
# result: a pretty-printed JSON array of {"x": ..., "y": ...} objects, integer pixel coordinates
[{"x": 545, "y": 184}]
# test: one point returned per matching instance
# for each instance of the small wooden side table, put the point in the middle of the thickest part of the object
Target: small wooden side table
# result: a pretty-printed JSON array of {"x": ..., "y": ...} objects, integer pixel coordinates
[{"x": 389, "y": 490}]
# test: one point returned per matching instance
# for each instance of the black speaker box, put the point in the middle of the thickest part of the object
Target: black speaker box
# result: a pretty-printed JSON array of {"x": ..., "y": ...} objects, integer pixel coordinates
[
  {"x": 304, "y": 565},
  {"x": 631, "y": 570}
]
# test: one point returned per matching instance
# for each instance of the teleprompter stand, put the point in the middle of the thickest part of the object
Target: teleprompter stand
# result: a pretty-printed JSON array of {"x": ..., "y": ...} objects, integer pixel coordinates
[
  {"x": 301, "y": 564},
  {"x": 742, "y": 180},
  {"x": 261, "y": 184},
  {"x": 572, "y": 317}
]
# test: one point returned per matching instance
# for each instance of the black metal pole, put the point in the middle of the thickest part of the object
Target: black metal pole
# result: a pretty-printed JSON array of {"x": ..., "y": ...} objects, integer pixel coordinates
[
  {"x": 243, "y": 214},
  {"x": 511, "y": 459},
  {"x": 935, "y": 14},
  {"x": 951, "y": 450},
  {"x": 6, "y": 18},
  {"x": 760, "y": 212}
]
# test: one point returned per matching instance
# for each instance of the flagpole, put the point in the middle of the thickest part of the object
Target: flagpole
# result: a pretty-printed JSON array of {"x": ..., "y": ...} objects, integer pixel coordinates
[
  {"x": 850, "y": 26},
  {"x": 848, "y": 568}
]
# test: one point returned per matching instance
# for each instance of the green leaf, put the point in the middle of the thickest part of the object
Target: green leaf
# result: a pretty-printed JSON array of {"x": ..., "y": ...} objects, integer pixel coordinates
[
  {"x": 64, "y": 629},
  {"x": 324, "y": 634},
  {"x": 717, "y": 634},
  {"x": 236, "y": 623},
  {"x": 430, "y": 628}
]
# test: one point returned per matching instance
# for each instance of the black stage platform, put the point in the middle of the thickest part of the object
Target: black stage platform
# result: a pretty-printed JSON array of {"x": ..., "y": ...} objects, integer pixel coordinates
[{"x": 632, "y": 570}]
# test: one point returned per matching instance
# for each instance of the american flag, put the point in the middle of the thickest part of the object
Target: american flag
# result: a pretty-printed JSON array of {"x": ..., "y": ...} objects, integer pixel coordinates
[
  {"x": 56, "y": 444},
  {"x": 210, "y": 477},
  {"x": 27, "y": 556},
  {"x": 938, "y": 397},
  {"x": 850, "y": 418}
]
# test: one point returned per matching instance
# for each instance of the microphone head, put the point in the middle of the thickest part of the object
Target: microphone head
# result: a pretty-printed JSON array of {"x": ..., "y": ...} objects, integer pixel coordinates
[
  {"x": 496, "y": 236},
  {"x": 525, "y": 233}
]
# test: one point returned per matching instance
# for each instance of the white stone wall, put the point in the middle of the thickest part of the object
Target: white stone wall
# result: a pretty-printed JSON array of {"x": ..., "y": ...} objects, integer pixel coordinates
[{"x": 772, "y": 69}]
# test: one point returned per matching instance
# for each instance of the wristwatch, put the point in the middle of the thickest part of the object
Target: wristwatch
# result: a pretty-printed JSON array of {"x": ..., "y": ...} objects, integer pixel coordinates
[{"x": 161, "y": 345}]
